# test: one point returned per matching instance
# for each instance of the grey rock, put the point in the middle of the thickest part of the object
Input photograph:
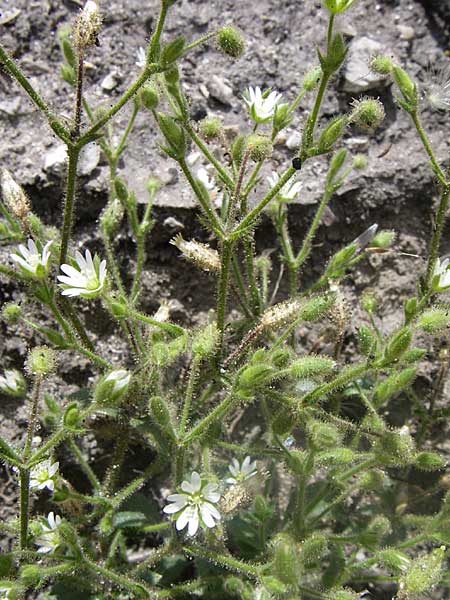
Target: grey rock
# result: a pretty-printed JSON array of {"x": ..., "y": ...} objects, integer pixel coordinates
[
  {"x": 89, "y": 159},
  {"x": 294, "y": 140},
  {"x": 357, "y": 75},
  {"x": 406, "y": 32},
  {"x": 55, "y": 160},
  {"x": 220, "y": 90},
  {"x": 10, "y": 107},
  {"x": 110, "y": 81},
  {"x": 173, "y": 224}
]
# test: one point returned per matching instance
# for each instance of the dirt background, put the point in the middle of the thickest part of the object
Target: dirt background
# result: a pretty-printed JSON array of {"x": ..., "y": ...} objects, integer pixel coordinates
[{"x": 396, "y": 191}]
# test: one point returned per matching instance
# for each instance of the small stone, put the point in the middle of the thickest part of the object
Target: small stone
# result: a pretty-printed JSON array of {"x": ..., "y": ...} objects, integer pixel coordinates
[
  {"x": 170, "y": 177},
  {"x": 55, "y": 160},
  {"x": 358, "y": 143},
  {"x": 89, "y": 159},
  {"x": 294, "y": 140},
  {"x": 173, "y": 224},
  {"x": 220, "y": 90},
  {"x": 406, "y": 32},
  {"x": 110, "y": 81},
  {"x": 10, "y": 107},
  {"x": 357, "y": 75}
]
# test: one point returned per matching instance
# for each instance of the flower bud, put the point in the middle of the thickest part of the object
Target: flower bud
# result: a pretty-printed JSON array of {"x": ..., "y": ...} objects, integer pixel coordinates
[
  {"x": 330, "y": 135},
  {"x": 149, "y": 96},
  {"x": 41, "y": 361},
  {"x": 68, "y": 74},
  {"x": 204, "y": 343},
  {"x": 395, "y": 448},
  {"x": 336, "y": 54},
  {"x": 369, "y": 302},
  {"x": 323, "y": 435},
  {"x": 72, "y": 417},
  {"x": 172, "y": 77},
  {"x": 381, "y": 64},
  {"x": 210, "y": 128},
  {"x": 172, "y": 51},
  {"x": 429, "y": 461},
  {"x": 337, "y": 6},
  {"x": 174, "y": 135},
  {"x": 366, "y": 340},
  {"x": 394, "y": 559},
  {"x": 88, "y": 25},
  {"x": 255, "y": 375},
  {"x": 30, "y": 576},
  {"x": 423, "y": 574},
  {"x": 407, "y": 88},
  {"x": 200, "y": 254},
  {"x": 230, "y": 41},
  {"x": 360, "y": 162},
  {"x": 312, "y": 78},
  {"x": 11, "y": 312},
  {"x": 413, "y": 355},
  {"x": 383, "y": 239},
  {"x": 121, "y": 189},
  {"x": 112, "y": 216},
  {"x": 336, "y": 457},
  {"x": 317, "y": 307},
  {"x": 368, "y": 113},
  {"x": 398, "y": 344},
  {"x": 119, "y": 309},
  {"x": 14, "y": 198},
  {"x": 112, "y": 387},
  {"x": 434, "y": 320},
  {"x": 238, "y": 149},
  {"x": 393, "y": 384},
  {"x": 336, "y": 164},
  {"x": 280, "y": 315},
  {"x": 311, "y": 366},
  {"x": 259, "y": 147}
]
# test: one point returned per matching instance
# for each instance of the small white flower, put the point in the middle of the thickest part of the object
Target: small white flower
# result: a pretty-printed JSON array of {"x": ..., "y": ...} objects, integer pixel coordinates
[
  {"x": 120, "y": 378},
  {"x": 261, "y": 105},
  {"x": 44, "y": 475},
  {"x": 12, "y": 383},
  {"x": 437, "y": 88},
  {"x": 241, "y": 472},
  {"x": 31, "y": 260},
  {"x": 49, "y": 538},
  {"x": 90, "y": 9},
  {"x": 205, "y": 179},
  {"x": 141, "y": 57},
  {"x": 289, "y": 190},
  {"x": 441, "y": 275},
  {"x": 88, "y": 280},
  {"x": 196, "y": 506}
]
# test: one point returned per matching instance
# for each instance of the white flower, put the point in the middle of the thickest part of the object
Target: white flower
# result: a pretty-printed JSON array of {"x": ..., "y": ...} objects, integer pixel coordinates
[
  {"x": 289, "y": 189},
  {"x": 195, "y": 506},
  {"x": 31, "y": 260},
  {"x": 12, "y": 383},
  {"x": 44, "y": 475},
  {"x": 441, "y": 275},
  {"x": 141, "y": 57},
  {"x": 205, "y": 179},
  {"x": 241, "y": 472},
  {"x": 90, "y": 9},
  {"x": 120, "y": 379},
  {"x": 261, "y": 105},
  {"x": 437, "y": 88},
  {"x": 88, "y": 280},
  {"x": 49, "y": 538}
]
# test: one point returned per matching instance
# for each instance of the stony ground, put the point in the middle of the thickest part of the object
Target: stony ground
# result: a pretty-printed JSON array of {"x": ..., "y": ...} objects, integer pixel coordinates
[{"x": 396, "y": 191}]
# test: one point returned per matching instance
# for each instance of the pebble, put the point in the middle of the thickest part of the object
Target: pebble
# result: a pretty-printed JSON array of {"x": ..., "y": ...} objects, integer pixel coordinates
[
  {"x": 10, "y": 107},
  {"x": 110, "y": 81},
  {"x": 173, "y": 224},
  {"x": 294, "y": 140},
  {"x": 220, "y": 90},
  {"x": 55, "y": 160},
  {"x": 89, "y": 159},
  {"x": 406, "y": 32},
  {"x": 357, "y": 75}
]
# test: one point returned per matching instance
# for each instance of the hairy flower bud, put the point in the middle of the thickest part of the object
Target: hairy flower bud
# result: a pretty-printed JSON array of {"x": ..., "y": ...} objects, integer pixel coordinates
[
  {"x": 210, "y": 128},
  {"x": 323, "y": 435},
  {"x": 429, "y": 461},
  {"x": 230, "y": 41},
  {"x": 393, "y": 384},
  {"x": 149, "y": 96},
  {"x": 331, "y": 134},
  {"x": 87, "y": 25},
  {"x": 15, "y": 198},
  {"x": 395, "y": 448},
  {"x": 280, "y": 314},
  {"x": 424, "y": 573},
  {"x": 368, "y": 113},
  {"x": 434, "y": 320},
  {"x": 311, "y": 366},
  {"x": 381, "y": 64},
  {"x": 11, "y": 312},
  {"x": 407, "y": 87},
  {"x": 259, "y": 147},
  {"x": 41, "y": 361},
  {"x": 204, "y": 343},
  {"x": 200, "y": 254},
  {"x": 311, "y": 78}
]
